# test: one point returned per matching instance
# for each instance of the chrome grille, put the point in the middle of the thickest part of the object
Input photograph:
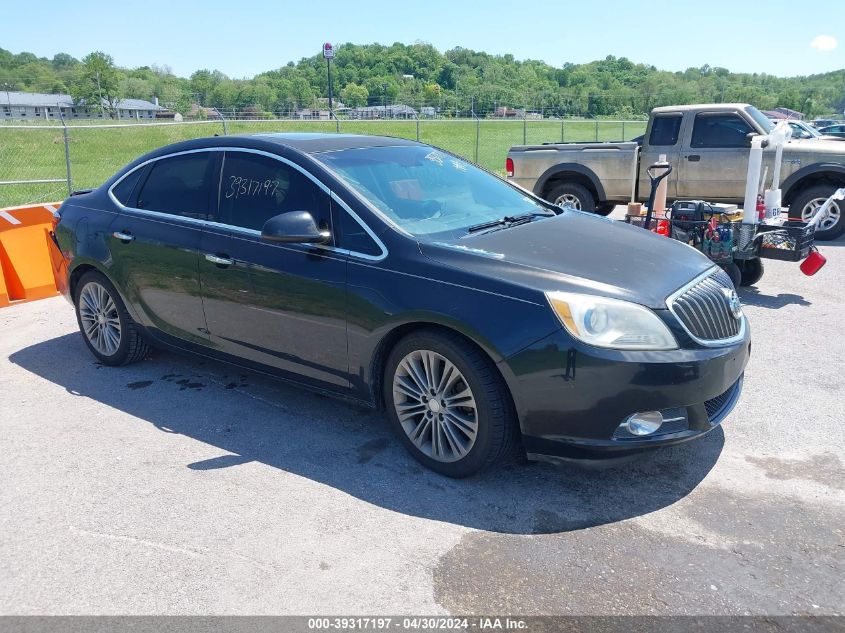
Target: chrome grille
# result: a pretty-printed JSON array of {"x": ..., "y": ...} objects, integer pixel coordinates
[{"x": 704, "y": 309}]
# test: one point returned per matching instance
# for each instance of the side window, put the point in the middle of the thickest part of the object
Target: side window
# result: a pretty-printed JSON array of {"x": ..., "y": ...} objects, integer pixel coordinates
[
  {"x": 665, "y": 130},
  {"x": 351, "y": 235},
  {"x": 254, "y": 188},
  {"x": 720, "y": 130},
  {"x": 125, "y": 188},
  {"x": 179, "y": 185}
]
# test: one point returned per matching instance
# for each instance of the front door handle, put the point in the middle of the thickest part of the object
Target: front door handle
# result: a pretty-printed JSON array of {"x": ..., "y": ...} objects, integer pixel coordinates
[
  {"x": 123, "y": 236},
  {"x": 693, "y": 158},
  {"x": 220, "y": 261}
]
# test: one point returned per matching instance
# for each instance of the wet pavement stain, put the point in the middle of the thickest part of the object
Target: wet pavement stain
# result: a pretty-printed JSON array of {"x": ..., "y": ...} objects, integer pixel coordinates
[
  {"x": 141, "y": 384},
  {"x": 370, "y": 449},
  {"x": 782, "y": 558},
  {"x": 826, "y": 469},
  {"x": 187, "y": 384}
]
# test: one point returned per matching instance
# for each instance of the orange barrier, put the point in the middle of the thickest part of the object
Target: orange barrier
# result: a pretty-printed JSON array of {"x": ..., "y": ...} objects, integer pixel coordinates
[{"x": 26, "y": 263}]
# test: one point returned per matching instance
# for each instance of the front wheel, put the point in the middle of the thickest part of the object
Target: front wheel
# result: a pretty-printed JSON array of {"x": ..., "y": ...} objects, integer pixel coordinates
[
  {"x": 448, "y": 404},
  {"x": 109, "y": 332},
  {"x": 807, "y": 202}
]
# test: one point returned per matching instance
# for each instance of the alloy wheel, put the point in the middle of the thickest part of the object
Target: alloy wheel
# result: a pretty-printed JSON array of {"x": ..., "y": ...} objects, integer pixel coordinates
[
  {"x": 435, "y": 406},
  {"x": 570, "y": 200},
  {"x": 834, "y": 213},
  {"x": 100, "y": 319}
]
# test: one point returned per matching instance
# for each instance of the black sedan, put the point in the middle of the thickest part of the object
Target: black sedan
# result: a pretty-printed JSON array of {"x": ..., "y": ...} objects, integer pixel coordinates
[{"x": 484, "y": 320}]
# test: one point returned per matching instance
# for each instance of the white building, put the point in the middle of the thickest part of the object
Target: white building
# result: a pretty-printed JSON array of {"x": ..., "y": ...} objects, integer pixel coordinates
[{"x": 34, "y": 106}]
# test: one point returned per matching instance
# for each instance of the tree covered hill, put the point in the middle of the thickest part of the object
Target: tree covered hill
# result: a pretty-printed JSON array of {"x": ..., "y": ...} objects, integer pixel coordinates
[{"x": 457, "y": 81}]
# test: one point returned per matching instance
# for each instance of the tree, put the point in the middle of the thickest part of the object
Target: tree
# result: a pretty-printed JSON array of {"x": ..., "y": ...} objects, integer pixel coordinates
[
  {"x": 354, "y": 95},
  {"x": 98, "y": 85}
]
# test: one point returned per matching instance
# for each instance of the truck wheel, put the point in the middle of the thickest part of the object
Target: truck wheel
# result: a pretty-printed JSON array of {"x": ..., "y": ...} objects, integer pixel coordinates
[
  {"x": 809, "y": 200},
  {"x": 572, "y": 194},
  {"x": 750, "y": 270}
]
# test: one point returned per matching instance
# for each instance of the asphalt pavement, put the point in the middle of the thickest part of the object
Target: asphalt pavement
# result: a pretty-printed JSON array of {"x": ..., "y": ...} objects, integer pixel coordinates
[{"x": 184, "y": 486}]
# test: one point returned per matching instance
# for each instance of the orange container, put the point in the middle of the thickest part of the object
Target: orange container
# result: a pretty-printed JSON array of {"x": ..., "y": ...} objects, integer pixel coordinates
[{"x": 26, "y": 266}]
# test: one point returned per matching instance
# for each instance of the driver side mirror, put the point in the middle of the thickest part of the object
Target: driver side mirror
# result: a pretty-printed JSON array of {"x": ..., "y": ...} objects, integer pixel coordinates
[
  {"x": 750, "y": 136},
  {"x": 294, "y": 227}
]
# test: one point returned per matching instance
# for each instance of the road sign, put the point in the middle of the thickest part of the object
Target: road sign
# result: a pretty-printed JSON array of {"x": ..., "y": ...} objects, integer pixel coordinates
[{"x": 328, "y": 51}]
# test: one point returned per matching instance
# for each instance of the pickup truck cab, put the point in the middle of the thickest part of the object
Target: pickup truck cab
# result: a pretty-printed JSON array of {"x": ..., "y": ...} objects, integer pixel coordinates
[{"x": 708, "y": 148}]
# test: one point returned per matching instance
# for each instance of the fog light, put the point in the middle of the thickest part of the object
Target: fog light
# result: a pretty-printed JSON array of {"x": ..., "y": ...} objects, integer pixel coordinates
[{"x": 644, "y": 423}]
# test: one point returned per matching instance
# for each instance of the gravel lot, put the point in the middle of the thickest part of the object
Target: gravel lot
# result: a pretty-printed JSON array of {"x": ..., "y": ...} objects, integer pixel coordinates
[{"x": 180, "y": 486}]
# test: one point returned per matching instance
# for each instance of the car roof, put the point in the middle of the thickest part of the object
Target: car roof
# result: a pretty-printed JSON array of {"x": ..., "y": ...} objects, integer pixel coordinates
[{"x": 312, "y": 143}]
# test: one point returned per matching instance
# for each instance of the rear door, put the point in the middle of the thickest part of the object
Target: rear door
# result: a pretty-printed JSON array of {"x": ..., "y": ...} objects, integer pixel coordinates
[
  {"x": 279, "y": 305},
  {"x": 664, "y": 138},
  {"x": 155, "y": 241},
  {"x": 714, "y": 164}
]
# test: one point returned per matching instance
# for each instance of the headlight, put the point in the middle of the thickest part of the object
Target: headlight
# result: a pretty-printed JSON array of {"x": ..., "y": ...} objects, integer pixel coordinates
[{"x": 611, "y": 323}]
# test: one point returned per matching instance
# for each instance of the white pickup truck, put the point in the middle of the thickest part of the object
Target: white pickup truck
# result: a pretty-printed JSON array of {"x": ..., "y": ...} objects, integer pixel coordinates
[{"x": 708, "y": 148}]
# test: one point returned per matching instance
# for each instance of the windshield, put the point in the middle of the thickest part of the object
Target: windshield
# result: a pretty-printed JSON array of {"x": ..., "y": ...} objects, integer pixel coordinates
[
  {"x": 428, "y": 192},
  {"x": 761, "y": 119}
]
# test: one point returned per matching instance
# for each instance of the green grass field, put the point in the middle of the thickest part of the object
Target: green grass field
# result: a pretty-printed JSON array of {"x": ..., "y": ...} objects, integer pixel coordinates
[{"x": 96, "y": 152}]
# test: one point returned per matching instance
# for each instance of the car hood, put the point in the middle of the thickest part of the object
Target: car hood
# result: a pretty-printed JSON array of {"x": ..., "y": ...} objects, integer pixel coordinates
[
  {"x": 820, "y": 146},
  {"x": 577, "y": 252}
]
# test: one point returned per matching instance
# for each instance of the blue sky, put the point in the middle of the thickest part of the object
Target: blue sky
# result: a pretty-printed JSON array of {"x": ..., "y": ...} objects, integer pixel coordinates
[{"x": 242, "y": 39}]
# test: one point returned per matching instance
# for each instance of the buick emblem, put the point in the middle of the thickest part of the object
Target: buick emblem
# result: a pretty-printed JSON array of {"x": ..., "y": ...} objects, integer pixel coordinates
[{"x": 733, "y": 302}]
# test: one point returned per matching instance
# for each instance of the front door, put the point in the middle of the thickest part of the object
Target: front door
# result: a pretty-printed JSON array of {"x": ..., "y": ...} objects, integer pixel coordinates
[
  {"x": 714, "y": 165},
  {"x": 280, "y": 305},
  {"x": 155, "y": 241}
]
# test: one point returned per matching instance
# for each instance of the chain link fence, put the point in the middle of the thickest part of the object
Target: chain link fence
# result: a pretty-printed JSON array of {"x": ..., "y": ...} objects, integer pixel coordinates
[{"x": 40, "y": 163}]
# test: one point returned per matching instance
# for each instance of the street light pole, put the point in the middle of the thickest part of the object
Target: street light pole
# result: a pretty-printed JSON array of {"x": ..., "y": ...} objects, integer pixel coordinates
[{"x": 384, "y": 100}]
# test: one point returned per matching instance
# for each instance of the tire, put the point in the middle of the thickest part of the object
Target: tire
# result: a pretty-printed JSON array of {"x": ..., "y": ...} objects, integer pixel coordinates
[
  {"x": 451, "y": 439},
  {"x": 809, "y": 200},
  {"x": 733, "y": 272},
  {"x": 572, "y": 192},
  {"x": 751, "y": 271},
  {"x": 605, "y": 208},
  {"x": 108, "y": 330}
]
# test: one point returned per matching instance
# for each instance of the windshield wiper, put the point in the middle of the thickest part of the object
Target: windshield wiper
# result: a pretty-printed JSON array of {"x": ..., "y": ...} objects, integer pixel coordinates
[{"x": 507, "y": 221}]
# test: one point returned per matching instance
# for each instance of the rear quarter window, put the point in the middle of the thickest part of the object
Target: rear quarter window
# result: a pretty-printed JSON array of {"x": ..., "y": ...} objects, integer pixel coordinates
[{"x": 665, "y": 130}]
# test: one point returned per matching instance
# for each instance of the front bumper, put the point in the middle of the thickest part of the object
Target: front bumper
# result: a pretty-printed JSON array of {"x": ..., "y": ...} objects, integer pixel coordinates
[{"x": 571, "y": 397}]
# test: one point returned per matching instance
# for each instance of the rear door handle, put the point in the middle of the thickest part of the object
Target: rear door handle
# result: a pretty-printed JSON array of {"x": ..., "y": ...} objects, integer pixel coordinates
[
  {"x": 123, "y": 236},
  {"x": 220, "y": 261},
  {"x": 693, "y": 158}
]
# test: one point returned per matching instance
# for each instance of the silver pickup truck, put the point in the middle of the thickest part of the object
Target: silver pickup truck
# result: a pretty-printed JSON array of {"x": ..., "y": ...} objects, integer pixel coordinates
[{"x": 708, "y": 148}]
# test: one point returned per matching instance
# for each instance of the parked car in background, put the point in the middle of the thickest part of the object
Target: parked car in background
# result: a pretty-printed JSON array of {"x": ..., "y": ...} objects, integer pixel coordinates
[
  {"x": 480, "y": 317},
  {"x": 802, "y": 130},
  {"x": 834, "y": 130}
]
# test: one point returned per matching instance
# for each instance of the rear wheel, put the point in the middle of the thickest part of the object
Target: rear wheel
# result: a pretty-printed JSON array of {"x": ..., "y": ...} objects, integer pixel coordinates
[
  {"x": 572, "y": 194},
  {"x": 808, "y": 201},
  {"x": 448, "y": 404},
  {"x": 109, "y": 332}
]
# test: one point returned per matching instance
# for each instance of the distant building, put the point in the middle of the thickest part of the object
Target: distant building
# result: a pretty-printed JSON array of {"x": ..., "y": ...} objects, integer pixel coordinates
[
  {"x": 35, "y": 106},
  {"x": 784, "y": 114},
  {"x": 396, "y": 111},
  {"x": 508, "y": 113}
]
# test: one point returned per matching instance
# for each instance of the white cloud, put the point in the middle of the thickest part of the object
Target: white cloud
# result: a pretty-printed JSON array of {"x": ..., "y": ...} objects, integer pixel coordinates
[{"x": 824, "y": 43}]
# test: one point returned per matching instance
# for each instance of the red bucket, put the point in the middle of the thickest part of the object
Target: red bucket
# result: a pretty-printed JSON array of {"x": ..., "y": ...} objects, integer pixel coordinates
[{"x": 813, "y": 264}]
